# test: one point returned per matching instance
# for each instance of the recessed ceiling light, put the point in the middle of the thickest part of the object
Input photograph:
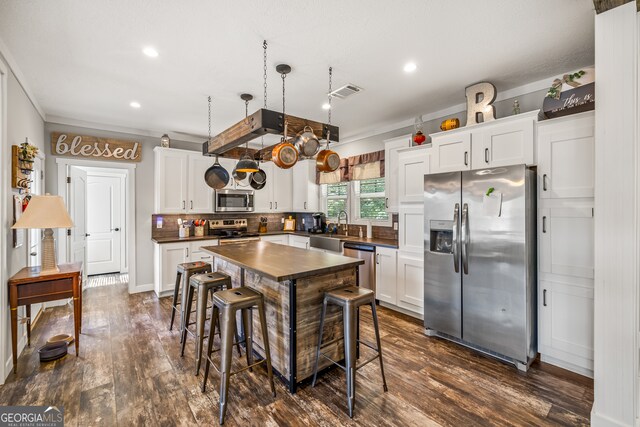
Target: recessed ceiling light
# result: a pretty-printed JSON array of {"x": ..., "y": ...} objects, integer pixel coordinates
[
  {"x": 134, "y": 104},
  {"x": 326, "y": 106},
  {"x": 150, "y": 52},
  {"x": 410, "y": 67}
]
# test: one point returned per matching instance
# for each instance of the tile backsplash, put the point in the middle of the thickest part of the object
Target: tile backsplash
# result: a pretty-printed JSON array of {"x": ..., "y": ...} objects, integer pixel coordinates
[{"x": 274, "y": 223}]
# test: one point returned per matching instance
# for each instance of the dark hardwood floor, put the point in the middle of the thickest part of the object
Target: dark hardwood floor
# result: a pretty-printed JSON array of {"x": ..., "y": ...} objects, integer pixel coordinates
[{"x": 130, "y": 373}]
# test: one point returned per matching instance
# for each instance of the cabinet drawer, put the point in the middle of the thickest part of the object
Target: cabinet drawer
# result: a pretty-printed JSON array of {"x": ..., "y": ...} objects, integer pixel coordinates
[{"x": 45, "y": 291}]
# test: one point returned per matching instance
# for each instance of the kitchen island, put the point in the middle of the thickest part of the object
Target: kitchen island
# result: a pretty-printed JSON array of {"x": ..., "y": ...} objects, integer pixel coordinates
[{"x": 293, "y": 282}]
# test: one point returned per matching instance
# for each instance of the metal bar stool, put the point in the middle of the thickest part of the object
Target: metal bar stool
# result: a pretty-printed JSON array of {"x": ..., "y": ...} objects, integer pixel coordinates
[
  {"x": 203, "y": 284},
  {"x": 350, "y": 299},
  {"x": 225, "y": 305},
  {"x": 183, "y": 273}
]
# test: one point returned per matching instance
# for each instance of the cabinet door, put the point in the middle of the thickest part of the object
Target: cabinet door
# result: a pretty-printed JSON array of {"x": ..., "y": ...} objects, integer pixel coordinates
[
  {"x": 197, "y": 254},
  {"x": 171, "y": 254},
  {"x": 262, "y": 198},
  {"x": 503, "y": 145},
  {"x": 413, "y": 164},
  {"x": 305, "y": 190},
  {"x": 299, "y": 241},
  {"x": 566, "y": 159},
  {"x": 566, "y": 241},
  {"x": 391, "y": 169},
  {"x": 171, "y": 181},
  {"x": 200, "y": 198},
  {"x": 282, "y": 189},
  {"x": 566, "y": 322},
  {"x": 410, "y": 283},
  {"x": 386, "y": 274},
  {"x": 410, "y": 228},
  {"x": 280, "y": 239},
  {"x": 451, "y": 153}
]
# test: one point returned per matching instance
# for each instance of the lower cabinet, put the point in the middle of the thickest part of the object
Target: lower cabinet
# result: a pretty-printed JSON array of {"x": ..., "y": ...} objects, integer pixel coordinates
[
  {"x": 167, "y": 256},
  {"x": 280, "y": 239},
  {"x": 565, "y": 331},
  {"x": 410, "y": 290},
  {"x": 299, "y": 241},
  {"x": 387, "y": 275}
]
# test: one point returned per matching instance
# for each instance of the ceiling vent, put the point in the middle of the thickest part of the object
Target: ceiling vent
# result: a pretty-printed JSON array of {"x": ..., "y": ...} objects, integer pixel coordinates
[{"x": 346, "y": 91}]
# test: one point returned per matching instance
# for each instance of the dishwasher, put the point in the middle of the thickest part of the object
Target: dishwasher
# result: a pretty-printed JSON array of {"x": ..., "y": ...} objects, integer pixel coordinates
[{"x": 367, "y": 271}]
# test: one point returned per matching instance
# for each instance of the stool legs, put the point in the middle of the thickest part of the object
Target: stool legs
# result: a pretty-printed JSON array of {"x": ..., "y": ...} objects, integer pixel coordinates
[
  {"x": 186, "y": 310},
  {"x": 265, "y": 338},
  {"x": 247, "y": 322},
  {"x": 349, "y": 320},
  {"x": 226, "y": 339},
  {"x": 176, "y": 291},
  {"x": 375, "y": 327},
  {"x": 201, "y": 316},
  {"x": 214, "y": 321},
  {"x": 315, "y": 368}
]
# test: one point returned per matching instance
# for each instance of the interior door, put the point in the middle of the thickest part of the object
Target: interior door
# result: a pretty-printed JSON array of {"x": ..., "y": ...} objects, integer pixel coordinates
[
  {"x": 77, "y": 200},
  {"x": 35, "y": 235},
  {"x": 104, "y": 224}
]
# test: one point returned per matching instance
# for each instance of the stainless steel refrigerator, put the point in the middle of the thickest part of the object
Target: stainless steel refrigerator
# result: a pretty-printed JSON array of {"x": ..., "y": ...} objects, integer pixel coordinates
[{"x": 480, "y": 260}]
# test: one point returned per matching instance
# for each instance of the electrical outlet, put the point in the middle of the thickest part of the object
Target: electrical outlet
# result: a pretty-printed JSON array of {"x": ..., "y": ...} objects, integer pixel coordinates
[
  {"x": 302, "y": 221},
  {"x": 395, "y": 226},
  {"x": 282, "y": 220},
  {"x": 159, "y": 222}
]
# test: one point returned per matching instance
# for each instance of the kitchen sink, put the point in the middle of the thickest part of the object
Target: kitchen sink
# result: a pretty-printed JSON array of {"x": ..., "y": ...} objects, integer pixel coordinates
[{"x": 330, "y": 243}]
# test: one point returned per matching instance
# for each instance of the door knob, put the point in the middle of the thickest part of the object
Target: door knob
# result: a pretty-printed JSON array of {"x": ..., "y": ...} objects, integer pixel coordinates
[
  {"x": 87, "y": 235},
  {"x": 116, "y": 229},
  {"x": 33, "y": 253}
]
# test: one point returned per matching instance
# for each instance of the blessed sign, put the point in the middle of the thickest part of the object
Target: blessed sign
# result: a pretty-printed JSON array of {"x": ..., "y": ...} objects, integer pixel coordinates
[{"x": 68, "y": 144}]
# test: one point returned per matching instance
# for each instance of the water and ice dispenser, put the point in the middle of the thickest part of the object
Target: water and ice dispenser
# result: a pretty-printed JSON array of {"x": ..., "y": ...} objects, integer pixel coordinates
[{"x": 441, "y": 236}]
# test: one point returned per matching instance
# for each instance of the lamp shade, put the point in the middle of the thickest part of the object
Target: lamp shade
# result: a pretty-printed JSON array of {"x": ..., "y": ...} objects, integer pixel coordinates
[{"x": 45, "y": 212}]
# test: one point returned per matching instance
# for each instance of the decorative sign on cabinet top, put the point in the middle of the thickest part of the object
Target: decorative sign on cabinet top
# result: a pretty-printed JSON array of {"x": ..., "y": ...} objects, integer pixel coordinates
[{"x": 68, "y": 144}]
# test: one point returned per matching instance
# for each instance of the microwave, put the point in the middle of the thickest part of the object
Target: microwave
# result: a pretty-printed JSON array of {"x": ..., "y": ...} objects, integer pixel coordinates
[{"x": 234, "y": 200}]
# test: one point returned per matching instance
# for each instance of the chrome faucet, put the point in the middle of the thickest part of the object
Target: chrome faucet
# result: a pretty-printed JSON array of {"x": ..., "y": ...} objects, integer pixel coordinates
[{"x": 346, "y": 222}]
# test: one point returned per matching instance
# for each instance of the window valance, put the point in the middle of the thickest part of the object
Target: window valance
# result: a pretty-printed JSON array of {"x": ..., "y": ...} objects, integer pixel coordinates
[{"x": 354, "y": 168}]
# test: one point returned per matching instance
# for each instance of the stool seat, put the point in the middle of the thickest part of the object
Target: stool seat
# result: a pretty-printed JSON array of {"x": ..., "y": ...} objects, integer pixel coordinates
[
  {"x": 350, "y": 295},
  {"x": 194, "y": 266},
  {"x": 209, "y": 279},
  {"x": 238, "y": 298}
]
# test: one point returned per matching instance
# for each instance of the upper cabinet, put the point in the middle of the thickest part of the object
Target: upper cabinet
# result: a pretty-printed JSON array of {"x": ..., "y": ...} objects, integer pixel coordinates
[
  {"x": 179, "y": 185},
  {"x": 503, "y": 142},
  {"x": 413, "y": 164},
  {"x": 275, "y": 196},
  {"x": 391, "y": 166},
  {"x": 566, "y": 157},
  {"x": 305, "y": 189}
]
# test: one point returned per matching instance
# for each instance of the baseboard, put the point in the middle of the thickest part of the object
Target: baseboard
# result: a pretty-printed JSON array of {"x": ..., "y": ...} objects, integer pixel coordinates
[
  {"x": 599, "y": 420},
  {"x": 141, "y": 288},
  {"x": 566, "y": 365},
  {"x": 8, "y": 369},
  {"x": 401, "y": 310}
]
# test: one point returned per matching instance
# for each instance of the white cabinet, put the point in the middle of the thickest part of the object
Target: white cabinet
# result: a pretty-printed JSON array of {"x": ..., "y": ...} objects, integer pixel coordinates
[
  {"x": 451, "y": 152},
  {"x": 299, "y": 241},
  {"x": 167, "y": 256},
  {"x": 566, "y": 157},
  {"x": 566, "y": 241},
  {"x": 410, "y": 290},
  {"x": 170, "y": 181},
  {"x": 280, "y": 239},
  {"x": 199, "y": 194},
  {"x": 503, "y": 144},
  {"x": 410, "y": 234},
  {"x": 305, "y": 189},
  {"x": 276, "y": 195},
  {"x": 391, "y": 169},
  {"x": 179, "y": 185},
  {"x": 413, "y": 164},
  {"x": 386, "y": 274},
  {"x": 566, "y": 325}
]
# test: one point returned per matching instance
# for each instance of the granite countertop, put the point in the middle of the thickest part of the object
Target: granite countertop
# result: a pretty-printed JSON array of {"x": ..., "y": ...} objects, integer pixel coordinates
[
  {"x": 390, "y": 243},
  {"x": 279, "y": 262}
]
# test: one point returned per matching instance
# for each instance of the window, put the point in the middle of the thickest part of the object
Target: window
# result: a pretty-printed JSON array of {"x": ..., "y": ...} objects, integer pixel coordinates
[
  {"x": 370, "y": 200},
  {"x": 336, "y": 198},
  {"x": 363, "y": 200}
]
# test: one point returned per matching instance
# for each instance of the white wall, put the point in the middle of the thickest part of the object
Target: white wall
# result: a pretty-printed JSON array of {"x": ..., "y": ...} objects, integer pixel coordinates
[
  {"x": 23, "y": 121},
  {"x": 144, "y": 187}
]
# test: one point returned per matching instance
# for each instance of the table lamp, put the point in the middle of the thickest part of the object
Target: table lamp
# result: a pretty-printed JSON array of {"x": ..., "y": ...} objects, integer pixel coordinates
[{"x": 46, "y": 212}]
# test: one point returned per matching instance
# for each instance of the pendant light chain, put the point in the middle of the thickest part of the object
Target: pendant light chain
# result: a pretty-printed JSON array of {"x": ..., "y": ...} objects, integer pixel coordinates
[
  {"x": 209, "y": 119},
  {"x": 329, "y": 95},
  {"x": 264, "y": 68},
  {"x": 284, "y": 76}
]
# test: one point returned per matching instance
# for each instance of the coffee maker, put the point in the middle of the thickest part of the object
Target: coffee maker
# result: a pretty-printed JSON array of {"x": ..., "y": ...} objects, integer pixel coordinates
[{"x": 319, "y": 223}]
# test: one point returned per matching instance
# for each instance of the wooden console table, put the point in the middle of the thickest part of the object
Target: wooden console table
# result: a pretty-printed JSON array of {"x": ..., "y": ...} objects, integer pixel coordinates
[{"x": 29, "y": 286}]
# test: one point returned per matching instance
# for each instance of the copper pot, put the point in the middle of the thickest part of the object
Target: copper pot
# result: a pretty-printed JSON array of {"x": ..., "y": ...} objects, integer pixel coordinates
[
  {"x": 327, "y": 161},
  {"x": 284, "y": 155}
]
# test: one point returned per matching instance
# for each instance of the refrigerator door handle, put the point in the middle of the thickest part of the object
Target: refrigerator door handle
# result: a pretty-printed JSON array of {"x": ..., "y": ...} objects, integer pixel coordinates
[
  {"x": 465, "y": 238},
  {"x": 455, "y": 246}
]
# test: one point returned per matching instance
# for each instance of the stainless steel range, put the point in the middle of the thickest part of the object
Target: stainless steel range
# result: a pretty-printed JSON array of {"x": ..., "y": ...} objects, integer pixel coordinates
[{"x": 231, "y": 231}]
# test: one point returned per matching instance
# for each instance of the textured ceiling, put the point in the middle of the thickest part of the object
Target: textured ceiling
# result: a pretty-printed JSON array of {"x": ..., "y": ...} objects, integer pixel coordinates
[{"x": 83, "y": 59}]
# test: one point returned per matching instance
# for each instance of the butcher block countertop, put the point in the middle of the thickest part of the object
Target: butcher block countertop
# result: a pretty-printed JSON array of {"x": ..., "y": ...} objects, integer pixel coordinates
[{"x": 279, "y": 262}]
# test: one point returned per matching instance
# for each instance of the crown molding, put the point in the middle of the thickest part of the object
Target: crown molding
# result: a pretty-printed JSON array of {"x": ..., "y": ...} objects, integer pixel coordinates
[{"x": 22, "y": 81}]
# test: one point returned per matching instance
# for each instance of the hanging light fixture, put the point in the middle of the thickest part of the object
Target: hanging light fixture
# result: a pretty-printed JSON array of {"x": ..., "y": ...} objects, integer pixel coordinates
[{"x": 246, "y": 164}]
